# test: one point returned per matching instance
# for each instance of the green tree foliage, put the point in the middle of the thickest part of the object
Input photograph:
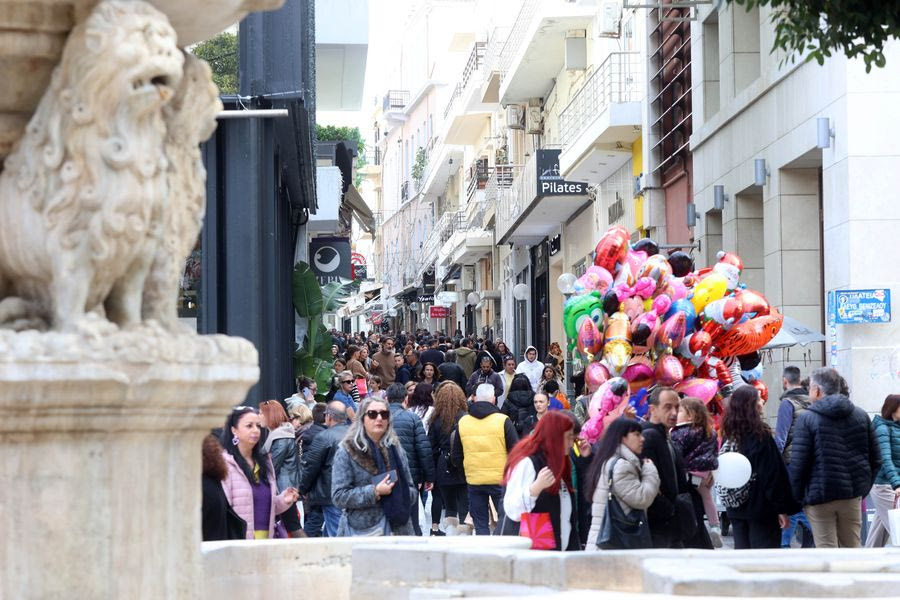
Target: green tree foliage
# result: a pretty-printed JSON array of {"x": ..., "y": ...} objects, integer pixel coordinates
[
  {"x": 221, "y": 52},
  {"x": 818, "y": 28},
  {"x": 332, "y": 133}
]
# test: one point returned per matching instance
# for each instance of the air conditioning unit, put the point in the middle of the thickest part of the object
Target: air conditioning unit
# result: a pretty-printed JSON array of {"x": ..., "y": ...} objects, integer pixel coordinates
[
  {"x": 609, "y": 21},
  {"x": 514, "y": 117},
  {"x": 533, "y": 121}
]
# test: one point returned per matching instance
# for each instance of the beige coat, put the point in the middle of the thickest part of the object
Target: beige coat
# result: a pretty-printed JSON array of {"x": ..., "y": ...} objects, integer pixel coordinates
[{"x": 635, "y": 485}]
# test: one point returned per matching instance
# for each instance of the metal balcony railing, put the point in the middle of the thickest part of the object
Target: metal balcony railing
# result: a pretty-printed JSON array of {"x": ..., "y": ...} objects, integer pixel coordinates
[
  {"x": 515, "y": 187},
  {"x": 517, "y": 35},
  {"x": 618, "y": 79},
  {"x": 478, "y": 174},
  {"x": 492, "y": 51},
  {"x": 395, "y": 100},
  {"x": 475, "y": 62}
]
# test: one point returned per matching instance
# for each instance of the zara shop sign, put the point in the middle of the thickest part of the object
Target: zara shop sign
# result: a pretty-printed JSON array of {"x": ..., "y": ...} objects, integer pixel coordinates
[{"x": 549, "y": 181}]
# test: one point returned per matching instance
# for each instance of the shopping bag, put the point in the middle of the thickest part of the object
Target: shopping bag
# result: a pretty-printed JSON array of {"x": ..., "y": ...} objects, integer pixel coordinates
[
  {"x": 361, "y": 387},
  {"x": 894, "y": 526},
  {"x": 538, "y": 527}
]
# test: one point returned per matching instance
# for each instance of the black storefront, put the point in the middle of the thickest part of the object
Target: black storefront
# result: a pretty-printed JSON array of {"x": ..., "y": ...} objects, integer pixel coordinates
[
  {"x": 540, "y": 297},
  {"x": 260, "y": 191}
]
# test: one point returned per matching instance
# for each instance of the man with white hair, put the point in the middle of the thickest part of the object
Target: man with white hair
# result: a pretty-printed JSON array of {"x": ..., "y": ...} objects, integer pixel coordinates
[{"x": 482, "y": 441}]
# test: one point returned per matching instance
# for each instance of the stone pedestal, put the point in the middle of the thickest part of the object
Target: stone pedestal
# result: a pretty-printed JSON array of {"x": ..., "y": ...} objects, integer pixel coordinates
[{"x": 100, "y": 470}]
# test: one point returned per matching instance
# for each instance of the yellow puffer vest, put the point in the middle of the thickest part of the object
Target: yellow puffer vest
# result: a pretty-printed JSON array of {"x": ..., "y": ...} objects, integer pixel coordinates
[{"x": 484, "y": 448}]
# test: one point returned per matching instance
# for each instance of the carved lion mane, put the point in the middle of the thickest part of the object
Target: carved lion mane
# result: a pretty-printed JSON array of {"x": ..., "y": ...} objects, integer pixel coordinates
[{"x": 82, "y": 194}]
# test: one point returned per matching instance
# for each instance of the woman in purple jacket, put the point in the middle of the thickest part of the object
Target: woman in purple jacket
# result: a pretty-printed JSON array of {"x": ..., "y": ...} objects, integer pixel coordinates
[{"x": 250, "y": 484}]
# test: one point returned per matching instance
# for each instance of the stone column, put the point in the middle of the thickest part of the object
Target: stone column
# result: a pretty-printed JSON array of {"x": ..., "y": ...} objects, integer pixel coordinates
[{"x": 100, "y": 477}]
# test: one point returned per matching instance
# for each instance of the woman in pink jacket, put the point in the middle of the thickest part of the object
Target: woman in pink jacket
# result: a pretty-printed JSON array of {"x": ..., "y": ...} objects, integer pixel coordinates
[{"x": 250, "y": 484}]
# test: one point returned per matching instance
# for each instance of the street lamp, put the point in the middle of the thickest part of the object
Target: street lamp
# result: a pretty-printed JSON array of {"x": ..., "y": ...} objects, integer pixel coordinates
[{"x": 566, "y": 286}]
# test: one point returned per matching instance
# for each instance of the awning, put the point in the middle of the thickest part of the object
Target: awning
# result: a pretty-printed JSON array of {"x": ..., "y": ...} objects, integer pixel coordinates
[
  {"x": 360, "y": 209},
  {"x": 794, "y": 332}
]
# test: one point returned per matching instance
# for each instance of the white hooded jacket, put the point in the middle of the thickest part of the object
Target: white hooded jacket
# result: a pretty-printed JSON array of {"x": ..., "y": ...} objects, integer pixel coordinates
[{"x": 531, "y": 368}]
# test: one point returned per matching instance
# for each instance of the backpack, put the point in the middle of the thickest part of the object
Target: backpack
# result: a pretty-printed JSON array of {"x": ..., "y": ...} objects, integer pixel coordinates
[{"x": 734, "y": 497}]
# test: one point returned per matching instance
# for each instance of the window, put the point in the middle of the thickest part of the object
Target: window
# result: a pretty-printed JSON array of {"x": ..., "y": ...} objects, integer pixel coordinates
[{"x": 711, "y": 91}]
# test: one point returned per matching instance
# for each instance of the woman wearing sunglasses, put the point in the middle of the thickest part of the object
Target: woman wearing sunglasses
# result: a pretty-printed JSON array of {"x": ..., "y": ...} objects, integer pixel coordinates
[{"x": 370, "y": 478}]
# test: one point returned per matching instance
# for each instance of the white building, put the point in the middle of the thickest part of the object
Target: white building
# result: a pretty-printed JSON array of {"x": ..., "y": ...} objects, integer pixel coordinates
[{"x": 819, "y": 213}]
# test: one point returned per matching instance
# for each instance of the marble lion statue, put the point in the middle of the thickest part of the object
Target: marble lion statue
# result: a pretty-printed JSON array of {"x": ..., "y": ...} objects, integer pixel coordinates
[
  {"x": 190, "y": 119},
  {"x": 83, "y": 193}
]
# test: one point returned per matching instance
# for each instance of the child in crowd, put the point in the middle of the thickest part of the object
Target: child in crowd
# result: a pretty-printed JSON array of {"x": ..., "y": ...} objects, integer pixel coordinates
[{"x": 693, "y": 435}]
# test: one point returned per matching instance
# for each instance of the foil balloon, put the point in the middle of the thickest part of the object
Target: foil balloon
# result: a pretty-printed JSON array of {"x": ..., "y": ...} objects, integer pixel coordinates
[
  {"x": 612, "y": 248},
  {"x": 661, "y": 304},
  {"x": 617, "y": 350},
  {"x": 594, "y": 279},
  {"x": 578, "y": 308},
  {"x": 762, "y": 388},
  {"x": 625, "y": 278},
  {"x": 633, "y": 307},
  {"x": 681, "y": 263},
  {"x": 675, "y": 288},
  {"x": 656, "y": 268},
  {"x": 638, "y": 373},
  {"x": 636, "y": 259},
  {"x": 611, "y": 302},
  {"x": 727, "y": 312},
  {"x": 753, "y": 303},
  {"x": 750, "y": 336},
  {"x": 729, "y": 266},
  {"x": 590, "y": 339},
  {"x": 697, "y": 387},
  {"x": 687, "y": 309},
  {"x": 638, "y": 401},
  {"x": 607, "y": 403},
  {"x": 668, "y": 370},
  {"x": 594, "y": 375},
  {"x": 643, "y": 327},
  {"x": 712, "y": 287},
  {"x": 646, "y": 245},
  {"x": 671, "y": 332}
]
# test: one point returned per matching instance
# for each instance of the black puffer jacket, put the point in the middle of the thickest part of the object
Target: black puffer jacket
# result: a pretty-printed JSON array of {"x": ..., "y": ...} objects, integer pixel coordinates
[
  {"x": 315, "y": 466},
  {"x": 770, "y": 491},
  {"x": 699, "y": 451},
  {"x": 834, "y": 454},
  {"x": 518, "y": 406},
  {"x": 411, "y": 433}
]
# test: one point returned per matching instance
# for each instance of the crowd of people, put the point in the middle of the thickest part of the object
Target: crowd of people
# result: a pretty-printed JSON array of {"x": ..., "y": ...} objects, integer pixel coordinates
[{"x": 494, "y": 444}]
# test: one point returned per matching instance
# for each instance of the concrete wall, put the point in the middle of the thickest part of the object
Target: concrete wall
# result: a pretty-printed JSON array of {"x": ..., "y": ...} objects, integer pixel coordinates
[{"x": 503, "y": 567}]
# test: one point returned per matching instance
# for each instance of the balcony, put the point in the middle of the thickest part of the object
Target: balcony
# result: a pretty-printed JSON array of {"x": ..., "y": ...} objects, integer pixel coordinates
[
  {"x": 534, "y": 200},
  {"x": 466, "y": 115},
  {"x": 535, "y": 50},
  {"x": 603, "y": 119},
  {"x": 394, "y": 103},
  {"x": 490, "y": 84}
]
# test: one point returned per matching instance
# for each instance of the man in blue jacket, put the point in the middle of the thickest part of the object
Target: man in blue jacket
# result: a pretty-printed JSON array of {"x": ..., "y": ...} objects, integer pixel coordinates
[
  {"x": 834, "y": 459},
  {"x": 408, "y": 427}
]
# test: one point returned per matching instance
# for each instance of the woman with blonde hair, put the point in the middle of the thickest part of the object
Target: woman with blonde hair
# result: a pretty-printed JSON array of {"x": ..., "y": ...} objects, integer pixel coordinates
[
  {"x": 450, "y": 492},
  {"x": 370, "y": 478}
]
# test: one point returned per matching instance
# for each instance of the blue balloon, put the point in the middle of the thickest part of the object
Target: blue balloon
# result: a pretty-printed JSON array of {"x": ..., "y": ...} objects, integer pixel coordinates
[{"x": 690, "y": 314}]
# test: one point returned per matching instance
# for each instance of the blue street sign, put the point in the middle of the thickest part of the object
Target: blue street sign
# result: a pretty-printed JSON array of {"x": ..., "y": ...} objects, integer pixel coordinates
[{"x": 862, "y": 306}]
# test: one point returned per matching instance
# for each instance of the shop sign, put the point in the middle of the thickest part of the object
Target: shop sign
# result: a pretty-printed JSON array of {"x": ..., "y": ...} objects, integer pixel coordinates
[
  {"x": 330, "y": 259},
  {"x": 425, "y": 298},
  {"x": 549, "y": 181},
  {"x": 555, "y": 244},
  {"x": 438, "y": 312},
  {"x": 862, "y": 306}
]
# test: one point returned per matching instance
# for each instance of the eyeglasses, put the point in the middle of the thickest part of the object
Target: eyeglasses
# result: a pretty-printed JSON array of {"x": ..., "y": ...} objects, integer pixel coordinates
[
  {"x": 346, "y": 381},
  {"x": 374, "y": 414}
]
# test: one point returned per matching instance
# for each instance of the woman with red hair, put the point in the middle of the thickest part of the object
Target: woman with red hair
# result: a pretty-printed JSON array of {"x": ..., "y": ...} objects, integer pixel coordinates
[{"x": 538, "y": 479}]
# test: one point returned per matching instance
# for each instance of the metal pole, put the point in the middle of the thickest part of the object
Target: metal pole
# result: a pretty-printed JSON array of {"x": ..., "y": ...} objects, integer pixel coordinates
[{"x": 570, "y": 385}]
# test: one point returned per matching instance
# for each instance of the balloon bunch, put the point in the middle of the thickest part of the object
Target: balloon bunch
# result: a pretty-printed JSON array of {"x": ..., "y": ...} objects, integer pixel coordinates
[{"x": 639, "y": 318}]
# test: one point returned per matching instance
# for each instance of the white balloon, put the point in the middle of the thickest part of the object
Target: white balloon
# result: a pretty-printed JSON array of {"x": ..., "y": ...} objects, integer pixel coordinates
[{"x": 734, "y": 470}]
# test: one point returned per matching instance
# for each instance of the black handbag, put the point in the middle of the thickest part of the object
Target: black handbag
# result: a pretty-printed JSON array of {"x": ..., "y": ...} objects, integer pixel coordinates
[
  {"x": 685, "y": 516},
  {"x": 621, "y": 531}
]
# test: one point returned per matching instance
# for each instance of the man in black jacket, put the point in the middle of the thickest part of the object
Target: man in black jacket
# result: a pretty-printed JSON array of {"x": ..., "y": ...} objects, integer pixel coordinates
[
  {"x": 408, "y": 427},
  {"x": 450, "y": 371},
  {"x": 315, "y": 473},
  {"x": 485, "y": 374},
  {"x": 664, "y": 528},
  {"x": 834, "y": 460},
  {"x": 432, "y": 355}
]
